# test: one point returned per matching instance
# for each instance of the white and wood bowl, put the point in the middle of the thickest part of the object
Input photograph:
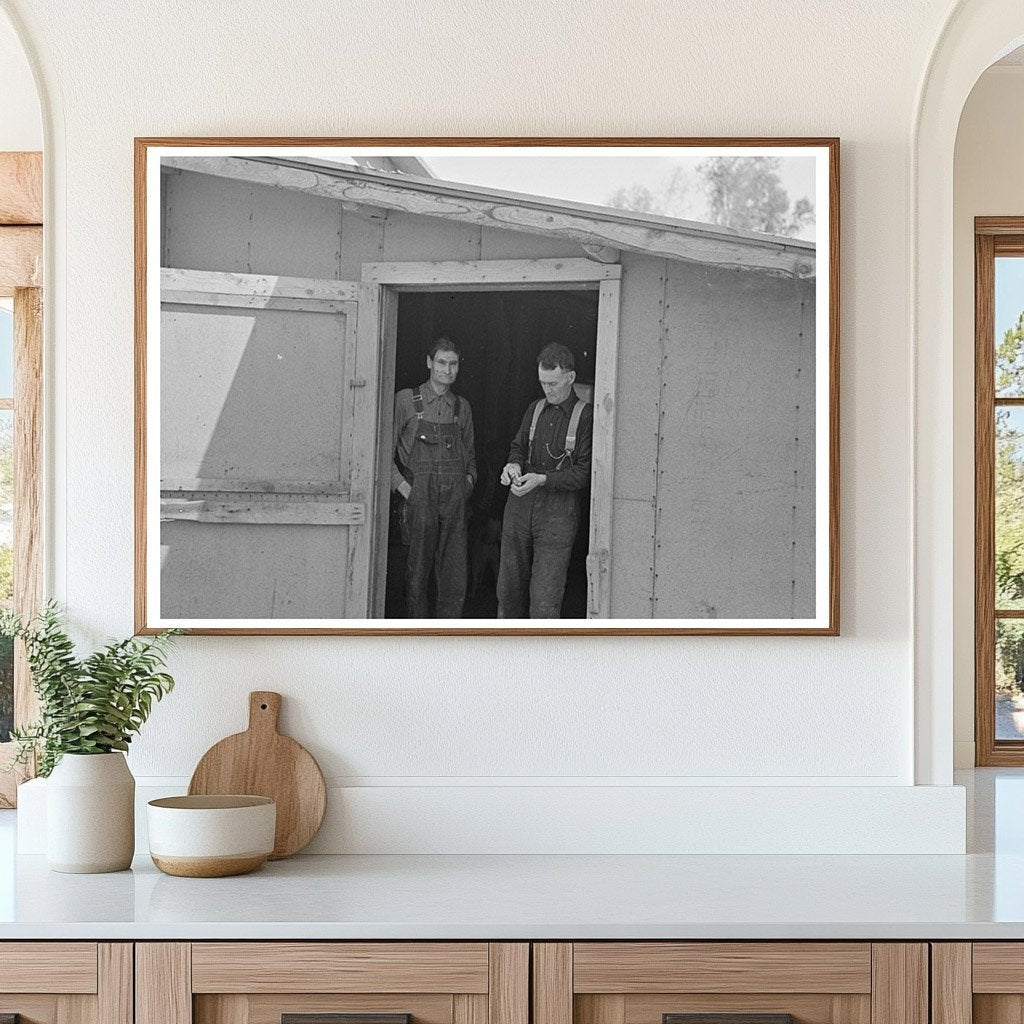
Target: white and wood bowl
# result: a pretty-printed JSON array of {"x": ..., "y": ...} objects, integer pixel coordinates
[{"x": 211, "y": 836}]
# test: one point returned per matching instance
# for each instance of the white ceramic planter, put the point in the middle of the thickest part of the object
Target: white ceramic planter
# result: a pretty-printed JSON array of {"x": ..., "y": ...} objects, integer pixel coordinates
[{"x": 90, "y": 814}]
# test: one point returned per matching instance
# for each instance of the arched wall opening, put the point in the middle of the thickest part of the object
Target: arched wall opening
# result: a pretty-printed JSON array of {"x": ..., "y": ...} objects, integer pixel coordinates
[{"x": 976, "y": 34}]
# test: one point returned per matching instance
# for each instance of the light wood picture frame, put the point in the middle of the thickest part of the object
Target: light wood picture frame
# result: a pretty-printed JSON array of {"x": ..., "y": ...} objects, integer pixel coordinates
[{"x": 288, "y": 295}]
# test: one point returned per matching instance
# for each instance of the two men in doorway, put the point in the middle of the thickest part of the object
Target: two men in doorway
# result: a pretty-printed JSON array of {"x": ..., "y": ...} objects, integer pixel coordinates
[{"x": 547, "y": 471}]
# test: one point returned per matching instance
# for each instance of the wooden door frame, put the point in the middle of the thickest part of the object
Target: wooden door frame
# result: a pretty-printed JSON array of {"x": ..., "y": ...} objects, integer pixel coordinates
[
  {"x": 390, "y": 279},
  {"x": 993, "y": 236}
]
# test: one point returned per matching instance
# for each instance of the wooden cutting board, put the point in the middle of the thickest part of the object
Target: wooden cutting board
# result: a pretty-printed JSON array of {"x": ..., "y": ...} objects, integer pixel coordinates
[{"x": 262, "y": 762}]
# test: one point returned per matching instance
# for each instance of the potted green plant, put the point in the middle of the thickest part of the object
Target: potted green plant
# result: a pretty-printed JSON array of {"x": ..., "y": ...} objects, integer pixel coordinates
[{"x": 89, "y": 710}]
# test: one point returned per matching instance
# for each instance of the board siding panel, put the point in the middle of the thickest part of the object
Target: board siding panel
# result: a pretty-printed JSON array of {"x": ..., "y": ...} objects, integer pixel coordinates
[
  {"x": 736, "y": 457},
  {"x": 256, "y": 395},
  {"x": 637, "y": 967},
  {"x": 411, "y": 237},
  {"x": 226, "y": 225},
  {"x": 496, "y": 244},
  {"x": 343, "y": 967},
  {"x": 65, "y": 967}
]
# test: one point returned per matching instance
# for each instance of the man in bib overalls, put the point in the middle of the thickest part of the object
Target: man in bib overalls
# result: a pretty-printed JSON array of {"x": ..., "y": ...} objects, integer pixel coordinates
[
  {"x": 433, "y": 473},
  {"x": 548, "y": 470}
]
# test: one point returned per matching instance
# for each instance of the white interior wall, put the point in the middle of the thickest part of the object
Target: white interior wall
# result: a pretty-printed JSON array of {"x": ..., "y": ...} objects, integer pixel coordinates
[
  {"x": 449, "y": 715},
  {"x": 987, "y": 182},
  {"x": 21, "y": 127}
]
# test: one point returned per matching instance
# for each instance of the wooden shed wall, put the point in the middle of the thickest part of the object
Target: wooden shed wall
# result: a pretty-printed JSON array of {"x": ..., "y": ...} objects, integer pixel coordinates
[
  {"x": 713, "y": 511},
  {"x": 714, "y": 495}
]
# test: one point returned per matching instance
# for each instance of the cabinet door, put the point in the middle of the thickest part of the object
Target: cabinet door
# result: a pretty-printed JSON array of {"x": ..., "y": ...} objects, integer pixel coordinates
[
  {"x": 730, "y": 983},
  {"x": 980, "y": 982},
  {"x": 66, "y": 982},
  {"x": 332, "y": 983}
]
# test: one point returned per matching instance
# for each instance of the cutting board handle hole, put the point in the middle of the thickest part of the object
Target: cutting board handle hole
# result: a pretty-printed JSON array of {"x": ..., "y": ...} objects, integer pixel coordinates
[{"x": 263, "y": 707}]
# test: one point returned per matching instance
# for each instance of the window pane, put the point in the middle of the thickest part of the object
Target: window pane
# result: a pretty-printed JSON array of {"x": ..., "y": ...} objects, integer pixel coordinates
[
  {"x": 6, "y": 352},
  {"x": 1009, "y": 575},
  {"x": 1009, "y": 325},
  {"x": 6, "y": 567},
  {"x": 1009, "y": 679}
]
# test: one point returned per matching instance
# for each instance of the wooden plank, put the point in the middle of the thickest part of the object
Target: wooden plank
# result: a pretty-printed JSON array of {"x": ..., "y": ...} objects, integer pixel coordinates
[
  {"x": 268, "y": 1008},
  {"x": 998, "y": 967},
  {"x": 283, "y": 513},
  {"x": 76, "y": 1010},
  {"x": 997, "y": 1009},
  {"x": 951, "y": 1001},
  {"x": 984, "y": 504},
  {"x": 226, "y": 485},
  {"x": 227, "y": 301},
  {"x": 899, "y": 972},
  {"x": 255, "y": 286},
  {"x": 21, "y": 258},
  {"x": 28, "y": 483},
  {"x": 225, "y": 1009},
  {"x": 384, "y": 305},
  {"x": 368, "y": 412},
  {"x": 163, "y": 983},
  {"x": 31, "y": 1009},
  {"x": 339, "y": 967},
  {"x": 602, "y": 474},
  {"x": 466, "y": 1009},
  {"x": 116, "y": 994},
  {"x": 552, "y": 983},
  {"x": 490, "y": 272},
  {"x": 66, "y": 967},
  {"x": 604, "y": 1009},
  {"x": 532, "y": 214},
  {"x": 722, "y": 967},
  {"x": 999, "y": 226},
  {"x": 21, "y": 188},
  {"x": 823, "y": 1008},
  {"x": 508, "y": 991}
]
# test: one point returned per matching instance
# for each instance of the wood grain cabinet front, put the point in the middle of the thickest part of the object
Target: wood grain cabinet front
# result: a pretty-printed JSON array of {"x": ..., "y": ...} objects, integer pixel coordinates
[
  {"x": 66, "y": 982},
  {"x": 332, "y": 983},
  {"x": 730, "y": 983},
  {"x": 978, "y": 982}
]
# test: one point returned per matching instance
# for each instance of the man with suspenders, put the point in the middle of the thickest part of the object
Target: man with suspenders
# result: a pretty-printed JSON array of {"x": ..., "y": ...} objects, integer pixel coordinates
[
  {"x": 433, "y": 474},
  {"x": 548, "y": 471}
]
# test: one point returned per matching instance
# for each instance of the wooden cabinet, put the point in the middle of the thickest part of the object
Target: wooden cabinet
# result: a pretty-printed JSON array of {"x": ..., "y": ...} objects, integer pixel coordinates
[
  {"x": 978, "y": 982},
  {"x": 66, "y": 982},
  {"x": 759, "y": 982},
  {"x": 307, "y": 982}
]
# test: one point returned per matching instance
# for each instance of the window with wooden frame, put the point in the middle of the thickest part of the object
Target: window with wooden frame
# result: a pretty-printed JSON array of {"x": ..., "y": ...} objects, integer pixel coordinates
[{"x": 21, "y": 350}]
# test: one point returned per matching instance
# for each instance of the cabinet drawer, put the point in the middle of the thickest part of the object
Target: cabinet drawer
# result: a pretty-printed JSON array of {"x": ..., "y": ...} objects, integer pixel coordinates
[
  {"x": 332, "y": 983},
  {"x": 730, "y": 983},
  {"x": 66, "y": 967}
]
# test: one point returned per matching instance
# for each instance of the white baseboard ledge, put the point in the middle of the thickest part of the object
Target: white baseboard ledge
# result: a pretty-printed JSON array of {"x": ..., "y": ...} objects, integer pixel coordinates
[{"x": 526, "y": 819}]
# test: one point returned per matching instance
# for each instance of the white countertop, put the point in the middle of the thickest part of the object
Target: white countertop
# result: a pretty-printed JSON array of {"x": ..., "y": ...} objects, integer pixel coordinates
[
  {"x": 976, "y": 896},
  {"x": 516, "y": 897}
]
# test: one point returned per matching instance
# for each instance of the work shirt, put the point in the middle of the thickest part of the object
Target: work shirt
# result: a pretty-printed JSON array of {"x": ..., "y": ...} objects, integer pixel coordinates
[
  {"x": 549, "y": 445},
  {"x": 436, "y": 409}
]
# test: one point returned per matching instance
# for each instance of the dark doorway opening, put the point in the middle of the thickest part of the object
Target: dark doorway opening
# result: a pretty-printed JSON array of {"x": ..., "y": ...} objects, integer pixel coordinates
[{"x": 499, "y": 334}]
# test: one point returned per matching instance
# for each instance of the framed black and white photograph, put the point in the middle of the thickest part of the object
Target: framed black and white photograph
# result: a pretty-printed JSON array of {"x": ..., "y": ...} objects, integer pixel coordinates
[{"x": 487, "y": 386}]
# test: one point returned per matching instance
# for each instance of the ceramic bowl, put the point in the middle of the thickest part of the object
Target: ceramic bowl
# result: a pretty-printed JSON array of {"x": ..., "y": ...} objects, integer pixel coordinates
[{"x": 211, "y": 836}]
